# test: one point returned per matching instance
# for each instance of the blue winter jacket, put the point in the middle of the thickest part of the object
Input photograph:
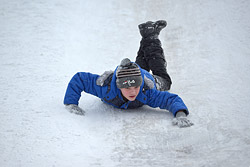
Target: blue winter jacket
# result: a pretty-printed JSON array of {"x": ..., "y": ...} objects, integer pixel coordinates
[{"x": 110, "y": 94}]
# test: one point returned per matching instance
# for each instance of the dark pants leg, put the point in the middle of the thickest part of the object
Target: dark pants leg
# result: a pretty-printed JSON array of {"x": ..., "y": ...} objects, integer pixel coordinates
[{"x": 151, "y": 57}]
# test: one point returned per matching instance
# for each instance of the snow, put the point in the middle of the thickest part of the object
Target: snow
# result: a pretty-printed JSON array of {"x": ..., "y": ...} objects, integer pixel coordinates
[{"x": 44, "y": 43}]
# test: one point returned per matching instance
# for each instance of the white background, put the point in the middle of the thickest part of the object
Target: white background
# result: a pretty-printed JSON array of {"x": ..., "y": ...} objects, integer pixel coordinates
[{"x": 44, "y": 43}]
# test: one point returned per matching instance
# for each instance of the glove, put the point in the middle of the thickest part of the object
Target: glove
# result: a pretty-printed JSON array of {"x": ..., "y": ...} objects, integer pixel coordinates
[
  {"x": 181, "y": 120},
  {"x": 73, "y": 108}
]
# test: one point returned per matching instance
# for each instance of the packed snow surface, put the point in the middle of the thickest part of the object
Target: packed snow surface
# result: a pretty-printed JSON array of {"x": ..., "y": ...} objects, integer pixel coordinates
[{"x": 44, "y": 43}]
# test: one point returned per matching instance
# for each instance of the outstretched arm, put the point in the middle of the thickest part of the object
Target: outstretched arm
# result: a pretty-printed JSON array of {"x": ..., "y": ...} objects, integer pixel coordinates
[
  {"x": 166, "y": 100},
  {"x": 81, "y": 81},
  {"x": 174, "y": 104}
]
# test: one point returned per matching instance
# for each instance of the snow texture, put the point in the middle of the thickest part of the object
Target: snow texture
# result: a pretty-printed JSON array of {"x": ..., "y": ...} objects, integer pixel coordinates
[{"x": 44, "y": 43}]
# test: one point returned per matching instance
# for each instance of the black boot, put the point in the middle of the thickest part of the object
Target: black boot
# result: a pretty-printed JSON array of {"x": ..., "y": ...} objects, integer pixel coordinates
[
  {"x": 159, "y": 25},
  {"x": 152, "y": 29}
]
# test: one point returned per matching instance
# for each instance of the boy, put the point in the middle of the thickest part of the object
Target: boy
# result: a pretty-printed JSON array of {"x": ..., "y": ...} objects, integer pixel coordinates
[{"x": 131, "y": 85}]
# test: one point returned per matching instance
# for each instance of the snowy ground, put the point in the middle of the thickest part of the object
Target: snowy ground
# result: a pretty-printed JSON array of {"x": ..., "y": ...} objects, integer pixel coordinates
[{"x": 44, "y": 43}]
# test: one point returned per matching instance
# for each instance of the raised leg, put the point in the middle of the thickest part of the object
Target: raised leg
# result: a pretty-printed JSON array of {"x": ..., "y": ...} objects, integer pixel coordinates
[{"x": 151, "y": 56}]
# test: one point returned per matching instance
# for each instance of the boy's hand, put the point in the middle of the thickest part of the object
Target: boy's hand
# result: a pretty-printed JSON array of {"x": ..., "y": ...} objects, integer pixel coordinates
[
  {"x": 73, "y": 108},
  {"x": 181, "y": 120}
]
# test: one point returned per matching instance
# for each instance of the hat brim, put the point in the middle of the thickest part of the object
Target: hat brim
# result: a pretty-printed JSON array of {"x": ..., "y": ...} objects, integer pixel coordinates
[{"x": 126, "y": 82}]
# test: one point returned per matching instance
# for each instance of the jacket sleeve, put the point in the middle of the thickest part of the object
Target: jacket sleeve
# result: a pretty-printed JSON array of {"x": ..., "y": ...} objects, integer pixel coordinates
[
  {"x": 82, "y": 81},
  {"x": 166, "y": 100}
]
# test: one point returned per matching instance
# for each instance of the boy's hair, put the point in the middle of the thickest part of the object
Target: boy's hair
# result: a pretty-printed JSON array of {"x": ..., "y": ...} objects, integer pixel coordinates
[{"x": 128, "y": 74}]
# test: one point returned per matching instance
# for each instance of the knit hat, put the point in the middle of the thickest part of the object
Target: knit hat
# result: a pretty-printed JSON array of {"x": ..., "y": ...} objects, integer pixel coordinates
[{"x": 128, "y": 74}]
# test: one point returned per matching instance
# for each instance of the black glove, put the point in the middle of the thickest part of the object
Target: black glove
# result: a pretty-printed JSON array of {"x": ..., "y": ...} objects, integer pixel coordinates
[
  {"x": 73, "y": 108},
  {"x": 181, "y": 120}
]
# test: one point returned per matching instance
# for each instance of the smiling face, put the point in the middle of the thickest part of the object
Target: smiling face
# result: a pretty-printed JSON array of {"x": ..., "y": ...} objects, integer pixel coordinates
[{"x": 130, "y": 93}]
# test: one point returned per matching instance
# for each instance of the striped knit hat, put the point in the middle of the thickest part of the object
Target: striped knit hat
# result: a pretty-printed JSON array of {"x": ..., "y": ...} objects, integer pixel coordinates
[{"x": 128, "y": 74}]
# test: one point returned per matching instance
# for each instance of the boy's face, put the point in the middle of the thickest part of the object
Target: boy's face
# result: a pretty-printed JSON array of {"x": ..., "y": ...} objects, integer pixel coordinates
[{"x": 130, "y": 93}]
